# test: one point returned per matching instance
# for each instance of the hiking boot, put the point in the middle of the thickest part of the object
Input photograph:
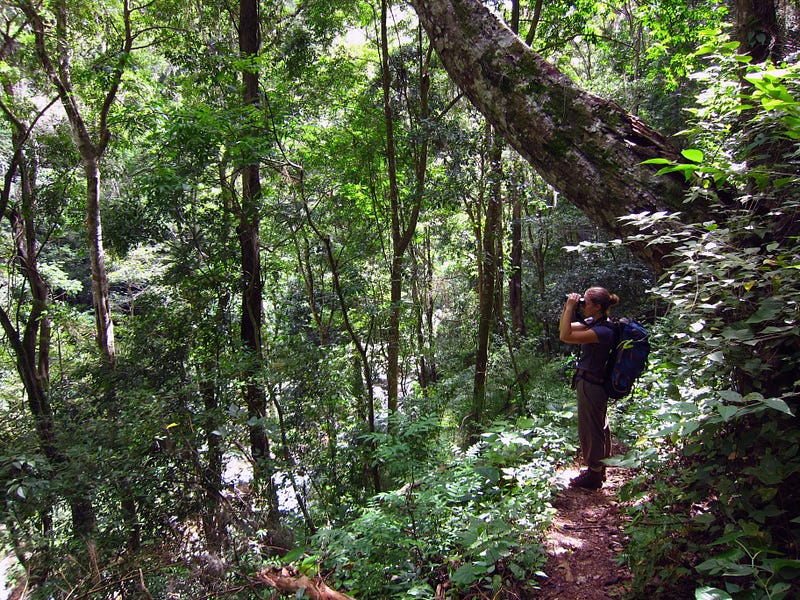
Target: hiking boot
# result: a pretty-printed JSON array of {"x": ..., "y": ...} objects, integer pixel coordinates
[{"x": 588, "y": 479}]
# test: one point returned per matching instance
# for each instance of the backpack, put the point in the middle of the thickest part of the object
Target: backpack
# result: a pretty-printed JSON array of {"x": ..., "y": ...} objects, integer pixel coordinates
[{"x": 628, "y": 357}]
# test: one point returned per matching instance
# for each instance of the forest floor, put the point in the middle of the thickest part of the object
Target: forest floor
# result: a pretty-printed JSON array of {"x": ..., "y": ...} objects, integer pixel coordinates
[
  {"x": 6, "y": 562},
  {"x": 584, "y": 542},
  {"x": 582, "y": 545}
]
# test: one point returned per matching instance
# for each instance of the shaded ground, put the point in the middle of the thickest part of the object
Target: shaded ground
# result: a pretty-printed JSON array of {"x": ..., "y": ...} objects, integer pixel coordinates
[{"x": 583, "y": 543}]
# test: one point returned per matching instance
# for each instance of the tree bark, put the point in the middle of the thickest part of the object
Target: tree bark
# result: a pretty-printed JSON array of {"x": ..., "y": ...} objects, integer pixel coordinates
[
  {"x": 252, "y": 285},
  {"x": 104, "y": 325},
  {"x": 540, "y": 246},
  {"x": 586, "y": 147},
  {"x": 31, "y": 345},
  {"x": 362, "y": 347},
  {"x": 289, "y": 583},
  {"x": 515, "y": 258},
  {"x": 422, "y": 297},
  {"x": 402, "y": 233},
  {"x": 90, "y": 151},
  {"x": 757, "y": 30},
  {"x": 211, "y": 476},
  {"x": 486, "y": 282},
  {"x": 515, "y": 277}
]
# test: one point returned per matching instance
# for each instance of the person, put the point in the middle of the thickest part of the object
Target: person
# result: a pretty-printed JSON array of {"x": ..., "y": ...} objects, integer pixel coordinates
[{"x": 595, "y": 337}]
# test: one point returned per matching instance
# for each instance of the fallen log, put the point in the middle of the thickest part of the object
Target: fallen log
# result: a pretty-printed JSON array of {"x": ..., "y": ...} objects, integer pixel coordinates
[{"x": 289, "y": 583}]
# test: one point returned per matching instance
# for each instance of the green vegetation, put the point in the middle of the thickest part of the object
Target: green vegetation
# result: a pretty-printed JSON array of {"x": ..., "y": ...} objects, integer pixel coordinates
[{"x": 289, "y": 379}]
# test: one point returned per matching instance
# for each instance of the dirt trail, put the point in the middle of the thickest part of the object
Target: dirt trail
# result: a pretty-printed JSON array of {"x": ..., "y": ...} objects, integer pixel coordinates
[{"x": 584, "y": 541}]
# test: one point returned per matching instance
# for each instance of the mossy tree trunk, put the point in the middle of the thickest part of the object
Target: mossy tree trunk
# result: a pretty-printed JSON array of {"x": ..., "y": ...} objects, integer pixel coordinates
[{"x": 588, "y": 148}]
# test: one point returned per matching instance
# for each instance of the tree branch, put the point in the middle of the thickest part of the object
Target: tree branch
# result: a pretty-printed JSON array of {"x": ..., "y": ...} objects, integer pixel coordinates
[{"x": 290, "y": 583}]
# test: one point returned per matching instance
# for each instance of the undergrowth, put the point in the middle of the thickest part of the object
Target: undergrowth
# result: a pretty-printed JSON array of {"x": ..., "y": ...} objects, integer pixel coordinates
[
  {"x": 714, "y": 510},
  {"x": 473, "y": 520}
]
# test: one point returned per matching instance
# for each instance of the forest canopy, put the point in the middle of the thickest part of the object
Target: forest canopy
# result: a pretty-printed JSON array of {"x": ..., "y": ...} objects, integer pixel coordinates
[{"x": 283, "y": 282}]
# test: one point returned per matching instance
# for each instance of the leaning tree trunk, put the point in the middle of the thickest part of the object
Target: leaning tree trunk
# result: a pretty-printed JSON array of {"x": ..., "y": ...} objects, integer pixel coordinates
[{"x": 588, "y": 148}]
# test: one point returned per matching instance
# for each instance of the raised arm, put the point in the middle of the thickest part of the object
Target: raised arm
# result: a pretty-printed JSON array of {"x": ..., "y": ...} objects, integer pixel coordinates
[{"x": 574, "y": 332}]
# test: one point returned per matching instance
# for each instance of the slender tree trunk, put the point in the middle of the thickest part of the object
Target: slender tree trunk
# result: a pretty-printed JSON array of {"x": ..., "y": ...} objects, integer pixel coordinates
[
  {"x": 360, "y": 346},
  {"x": 401, "y": 236},
  {"x": 90, "y": 151},
  {"x": 252, "y": 292},
  {"x": 291, "y": 465},
  {"x": 303, "y": 250},
  {"x": 104, "y": 325},
  {"x": 91, "y": 143},
  {"x": 515, "y": 197},
  {"x": 586, "y": 147},
  {"x": 534, "y": 22},
  {"x": 486, "y": 283},
  {"x": 31, "y": 347},
  {"x": 396, "y": 268},
  {"x": 421, "y": 282},
  {"x": 540, "y": 245},
  {"x": 213, "y": 528},
  {"x": 362, "y": 382},
  {"x": 211, "y": 476},
  {"x": 515, "y": 278}
]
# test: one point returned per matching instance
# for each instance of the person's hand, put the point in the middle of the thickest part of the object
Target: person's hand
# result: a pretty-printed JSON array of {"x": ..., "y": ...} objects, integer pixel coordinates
[{"x": 572, "y": 300}]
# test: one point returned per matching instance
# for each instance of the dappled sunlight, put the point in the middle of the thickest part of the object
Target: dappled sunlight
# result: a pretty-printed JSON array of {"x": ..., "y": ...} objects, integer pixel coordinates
[{"x": 584, "y": 540}]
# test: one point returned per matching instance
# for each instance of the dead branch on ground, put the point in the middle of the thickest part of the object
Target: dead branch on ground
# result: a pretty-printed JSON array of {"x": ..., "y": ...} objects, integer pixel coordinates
[{"x": 289, "y": 582}]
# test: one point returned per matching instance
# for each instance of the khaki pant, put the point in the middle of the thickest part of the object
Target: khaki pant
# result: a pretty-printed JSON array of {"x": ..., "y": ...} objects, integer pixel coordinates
[{"x": 594, "y": 431}]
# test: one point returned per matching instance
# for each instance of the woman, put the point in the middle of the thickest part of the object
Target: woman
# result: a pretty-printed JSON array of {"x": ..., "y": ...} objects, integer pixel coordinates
[{"x": 595, "y": 337}]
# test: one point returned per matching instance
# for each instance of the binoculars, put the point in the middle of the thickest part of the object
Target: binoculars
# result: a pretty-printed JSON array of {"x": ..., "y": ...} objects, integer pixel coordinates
[{"x": 581, "y": 301}]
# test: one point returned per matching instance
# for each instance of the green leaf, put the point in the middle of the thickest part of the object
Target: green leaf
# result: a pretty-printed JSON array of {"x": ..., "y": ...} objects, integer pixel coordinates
[
  {"x": 464, "y": 575},
  {"x": 731, "y": 396},
  {"x": 721, "y": 565},
  {"x": 292, "y": 555},
  {"x": 688, "y": 170},
  {"x": 693, "y": 155},
  {"x": 768, "y": 311},
  {"x": 309, "y": 566},
  {"x": 421, "y": 590},
  {"x": 709, "y": 593},
  {"x": 727, "y": 412},
  {"x": 731, "y": 333},
  {"x": 491, "y": 474},
  {"x": 704, "y": 519},
  {"x": 778, "y": 405},
  {"x": 778, "y": 564}
]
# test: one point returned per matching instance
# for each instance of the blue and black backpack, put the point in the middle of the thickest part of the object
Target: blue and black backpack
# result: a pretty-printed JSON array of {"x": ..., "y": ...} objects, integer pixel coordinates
[{"x": 628, "y": 357}]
